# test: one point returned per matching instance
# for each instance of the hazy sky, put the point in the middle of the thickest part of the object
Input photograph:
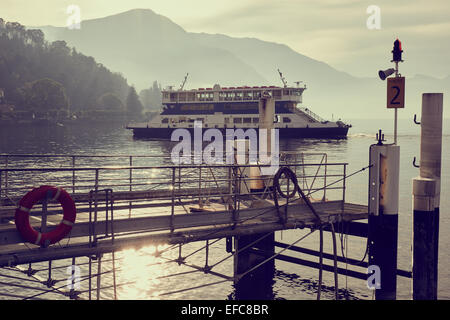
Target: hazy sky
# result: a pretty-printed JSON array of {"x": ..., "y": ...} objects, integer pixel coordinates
[{"x": 333, "y": 31}]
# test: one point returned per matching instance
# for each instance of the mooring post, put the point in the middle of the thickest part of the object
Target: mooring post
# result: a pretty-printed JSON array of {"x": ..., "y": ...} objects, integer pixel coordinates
[
  {"x": 426, "y": 197},
  {"x": 257, "y": 284},
  {"x": 383, "y": 216}
]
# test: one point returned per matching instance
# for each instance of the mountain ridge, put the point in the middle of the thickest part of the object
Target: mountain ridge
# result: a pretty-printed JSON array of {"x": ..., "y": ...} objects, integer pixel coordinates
[{"x": 146, "y": 46}]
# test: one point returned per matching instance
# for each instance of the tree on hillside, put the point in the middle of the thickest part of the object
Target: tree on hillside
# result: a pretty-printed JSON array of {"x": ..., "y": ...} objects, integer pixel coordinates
[
  {"x": 44, "y": 95},
  {"x": 25, "y": 56},
  {"x": 110, "y": 102},
  {"x": 134, "y": 106},
  {"x": 151, "y": 98}
]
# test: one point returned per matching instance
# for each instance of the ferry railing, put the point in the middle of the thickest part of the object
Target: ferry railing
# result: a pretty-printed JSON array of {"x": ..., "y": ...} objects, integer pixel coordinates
[{"x": 312, "y": 115}]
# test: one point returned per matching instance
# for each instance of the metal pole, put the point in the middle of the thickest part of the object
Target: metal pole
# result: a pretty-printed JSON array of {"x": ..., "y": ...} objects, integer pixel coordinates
[
  {"x": 99, "y": 275},
  {"x": 6, "y": 177},
  {"x": 200, "y": 204},
  {"x": 73, "y": 174},
  {"x": 1, "y": 185},
  {"x": 131, "y": 181},
  {"x": 395, "y": 110},
  {"x": 426, "y": 191},
  {"x": 172, "y": 227}
]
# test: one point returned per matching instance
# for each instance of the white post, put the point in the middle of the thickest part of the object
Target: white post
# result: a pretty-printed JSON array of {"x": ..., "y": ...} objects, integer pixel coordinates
[{"x": 426, "y": 194}]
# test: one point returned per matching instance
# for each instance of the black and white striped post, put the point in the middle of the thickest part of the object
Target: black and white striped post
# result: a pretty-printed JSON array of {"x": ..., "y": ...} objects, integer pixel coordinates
[
  {"x": 426, "y": 198},
  {"x": 383, "y": 217}
]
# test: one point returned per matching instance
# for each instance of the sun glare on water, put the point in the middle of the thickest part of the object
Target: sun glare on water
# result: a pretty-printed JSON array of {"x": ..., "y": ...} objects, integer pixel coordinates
[{"x": 139, "y": 271}]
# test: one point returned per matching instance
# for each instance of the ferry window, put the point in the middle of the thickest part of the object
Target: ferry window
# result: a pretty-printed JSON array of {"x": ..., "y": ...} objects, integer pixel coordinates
[
  {"x": 277, "y": 94},
  {"x": 199, "y": 119},
  {"x": 286, "y": 92},
  {"x": 256, "y": 95},
  {"x": 165, "y": 120},
  {"x": 166, "y": 95},
  {"x": 247, "y": 120},
  {"x": 255, "y": 120},
  {"x": 237, "y": 120},
  {"x": 182, "y": 96},
  {"x": 247, "y": 95},
  {"x": 173, "y": 97},
  {"x": 238, "y": 96},
  {"x": 286, "y": 119},
  {"x": 221, "y": 96},
  {"x": 190, "y": 120},
  {"x": 209, "y": 96},
  {"x": 191, "y": 96}
]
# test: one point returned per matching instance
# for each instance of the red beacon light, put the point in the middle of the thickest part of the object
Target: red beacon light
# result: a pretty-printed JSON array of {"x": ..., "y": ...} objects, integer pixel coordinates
[{"x": 397, "y": 51}]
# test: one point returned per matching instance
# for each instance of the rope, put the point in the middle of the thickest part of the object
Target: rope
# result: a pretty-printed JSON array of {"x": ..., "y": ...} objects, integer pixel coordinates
[{"x": 291, "y": 176}]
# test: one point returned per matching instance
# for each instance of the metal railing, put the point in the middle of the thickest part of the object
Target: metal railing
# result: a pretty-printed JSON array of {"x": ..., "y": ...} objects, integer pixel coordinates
[
  {"x": 112, "y": 189},
  {"x": 312, "y": 115},
  {"x": 19, "y": 173}
]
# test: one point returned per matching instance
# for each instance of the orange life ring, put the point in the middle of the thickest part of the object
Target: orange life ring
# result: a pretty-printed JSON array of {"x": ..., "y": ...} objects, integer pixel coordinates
[{"x": 22, "y": 216}]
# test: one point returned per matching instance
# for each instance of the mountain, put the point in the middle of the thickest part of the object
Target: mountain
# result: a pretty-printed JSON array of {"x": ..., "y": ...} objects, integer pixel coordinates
[{"x": 145, "y": 46}]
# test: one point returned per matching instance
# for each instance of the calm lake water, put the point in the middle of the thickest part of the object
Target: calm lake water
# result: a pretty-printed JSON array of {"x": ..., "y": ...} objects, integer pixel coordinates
[{"x": 146, "y": 274}]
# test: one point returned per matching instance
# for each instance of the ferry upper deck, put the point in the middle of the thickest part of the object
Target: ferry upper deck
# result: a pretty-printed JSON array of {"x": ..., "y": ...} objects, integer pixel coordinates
[{"x": 231, "y": 94}]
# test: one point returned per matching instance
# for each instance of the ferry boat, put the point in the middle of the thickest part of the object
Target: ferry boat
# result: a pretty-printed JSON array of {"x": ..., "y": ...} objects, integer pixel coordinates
[{"x": 237, "y": 108}]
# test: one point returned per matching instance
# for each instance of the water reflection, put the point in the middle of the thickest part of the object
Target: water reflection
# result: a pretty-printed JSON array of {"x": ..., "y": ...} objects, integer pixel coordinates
[{"x": 142, "y": 269}]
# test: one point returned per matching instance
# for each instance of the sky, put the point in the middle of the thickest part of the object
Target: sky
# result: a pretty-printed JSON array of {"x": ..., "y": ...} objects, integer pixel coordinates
[{"x": 355, "y": 36}]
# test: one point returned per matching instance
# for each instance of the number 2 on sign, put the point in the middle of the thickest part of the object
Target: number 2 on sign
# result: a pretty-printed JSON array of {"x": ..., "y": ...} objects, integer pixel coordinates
[
  {"x": 396, "y": 92},
  {"x": 396, "y": 95}
]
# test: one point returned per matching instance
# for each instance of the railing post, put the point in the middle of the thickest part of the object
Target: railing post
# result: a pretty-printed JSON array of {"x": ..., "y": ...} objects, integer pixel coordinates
[
  {"x": 1, "y": 189},
  {"x": 200, "y": 203},
  {"x": 73, "y": 174},
  {"x": 95, "y": 208},
  {"x": 344, "y": 186},
  {"x": 325, "y": 178},
  {"x": 6, "y": 177},
  {"x": 131, "y": 182},
  {"x": 99, "y": 275},
  {"x": 172, "y": 227}
]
